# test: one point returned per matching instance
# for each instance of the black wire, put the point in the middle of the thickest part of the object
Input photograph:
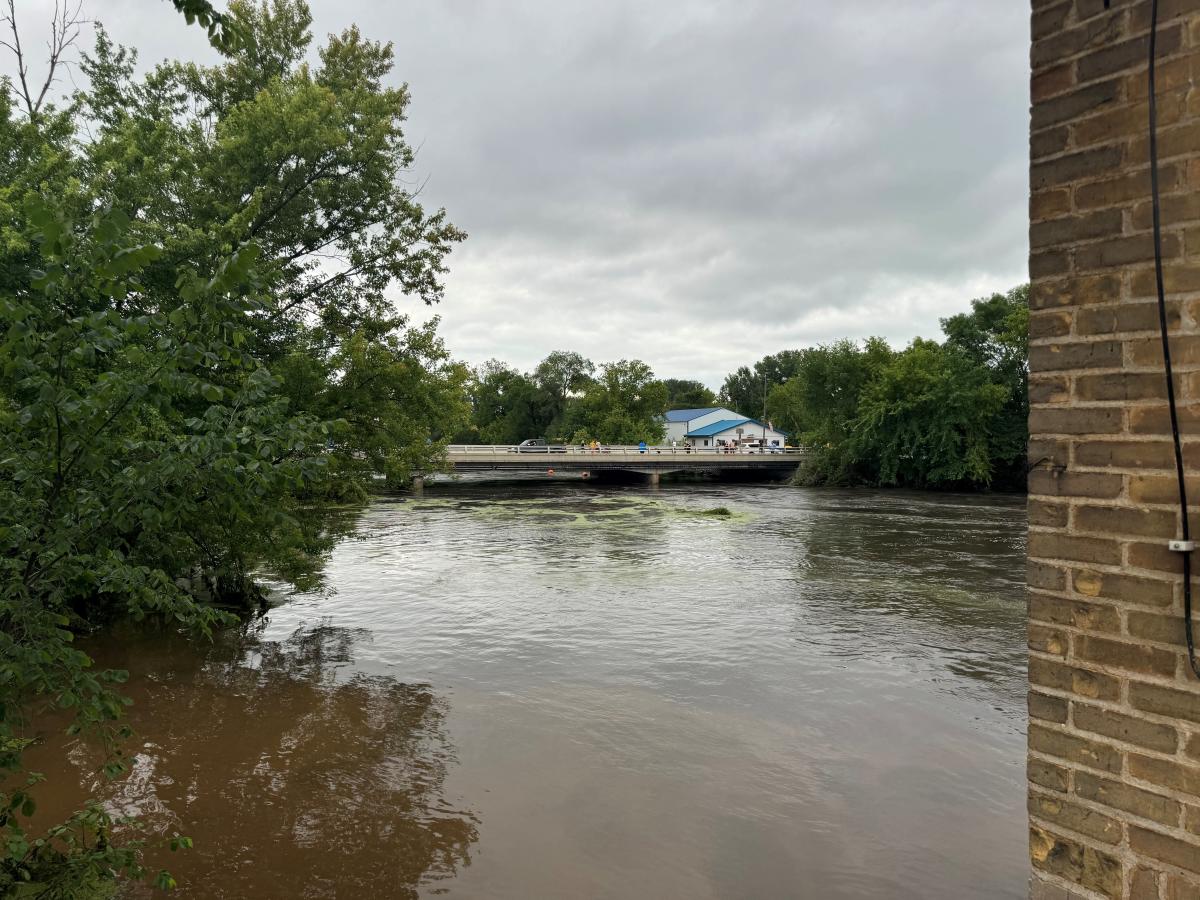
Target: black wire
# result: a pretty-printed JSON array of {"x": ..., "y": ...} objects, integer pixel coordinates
[{"x": 1166, "y": 347}]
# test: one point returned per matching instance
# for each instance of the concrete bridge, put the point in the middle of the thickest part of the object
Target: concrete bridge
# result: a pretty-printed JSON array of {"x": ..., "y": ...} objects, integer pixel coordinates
[{"x": 651, "y": 463}]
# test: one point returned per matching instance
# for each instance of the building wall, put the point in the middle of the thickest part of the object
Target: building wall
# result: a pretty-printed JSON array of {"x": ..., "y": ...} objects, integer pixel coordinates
[{"x": 1114, "y": 713}]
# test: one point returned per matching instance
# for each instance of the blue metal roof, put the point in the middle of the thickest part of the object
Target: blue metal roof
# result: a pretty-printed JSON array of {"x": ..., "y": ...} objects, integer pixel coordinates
[
  {"x": 686, "y": 415},
  {"x": 727, "y": 424}
]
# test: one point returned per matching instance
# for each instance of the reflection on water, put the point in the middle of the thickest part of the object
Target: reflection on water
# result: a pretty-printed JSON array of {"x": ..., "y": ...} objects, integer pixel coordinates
[
  {"x": 604, "y": 693},
  {"x": 295, "y": 775}
]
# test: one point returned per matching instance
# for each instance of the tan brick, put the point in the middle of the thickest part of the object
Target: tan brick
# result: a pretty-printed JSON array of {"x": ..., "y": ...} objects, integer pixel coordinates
[
  {"x": 1168, "y": 773},
  {"x": 1045, "y": 576},
  {"x": 1185, "y": 351},
  {"x": 1129, "y": 54},
  {"x": 1191, "y": 819},
  {"x": 1126, "y": 588},
  {"x": 1160, "y": 488},
  {"x": 1124, "y": 520},
  {"x": 1048, "y": 775},
  {"x": 1130, "y": 729},
  {"x": 1049, "y": 142},
  {"x": 1046, "y": 294},
  {"x": 1180, "y": 278},
  {"x": 1074, "y": 613},
  {"x": 1076, "y": 420},
  {"x": 1049, "y": 325},
  {"x": 1049, "y": 82},
  {"x": 1175, "y": 210},
  {"x": 1058, "y": 483},
  {"x": 1048, "y": 515},
  {"x": 1053, "y": 389},
  {"x": 1049, "y": 545},
  {"x": 1124, "y": 251},
  {"x": 1154, "y": 556},
  {"x": 1092, "y": 753},
  {"x": 1166, "y": 701},
  {"x": 1104, "y": 223},
  {"x": 1068, "y": 106},
  {"x": 1144, "y": 885},
  {"x": 1192, "y": 748},
  {"x": 1048, "y": 20},
  {"x": 1127, "y": 798},
  {"x": 1047, "y": 204},
  {"x": 1049, "y": 262},
  {"x": 1124, "y": 655},
  {"x": 1095, "y": 163},
  {"x": 1075, "y": 861},
  {"x": 1123, "y": 188},
  {"x": 1083, "y": 682},
  {"x": 1125, "y": 318},
  {"x": 1126, "y": 454},
  {"x": 1154, "y": 420},
  {"x": 1047, "y": 708},
  {"x": 1078, "y": 818},
  {"x": 1165, "y": 848},
  {"x": 1155, "y": 627},
  {"x": 1078, "y": 355},
  {"x": 1179, "y": 888}
]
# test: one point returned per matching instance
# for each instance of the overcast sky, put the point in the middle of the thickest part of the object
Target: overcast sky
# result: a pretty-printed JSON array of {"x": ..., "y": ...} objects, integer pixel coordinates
[{"x": 697, "y": 182}]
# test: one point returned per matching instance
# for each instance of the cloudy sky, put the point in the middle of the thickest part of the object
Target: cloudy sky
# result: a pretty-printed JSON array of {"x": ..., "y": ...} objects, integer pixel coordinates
[{"x": 698, "y": 182}]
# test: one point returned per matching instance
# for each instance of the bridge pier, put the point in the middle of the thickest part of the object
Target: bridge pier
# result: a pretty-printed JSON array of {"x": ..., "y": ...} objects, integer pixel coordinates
[
  {"x": 418, "y": 484},
  {"x": 653, "y": 479}
]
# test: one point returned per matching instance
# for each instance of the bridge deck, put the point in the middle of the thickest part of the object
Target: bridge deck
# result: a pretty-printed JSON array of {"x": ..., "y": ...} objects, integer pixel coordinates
[{"x": 477, "y": 458}]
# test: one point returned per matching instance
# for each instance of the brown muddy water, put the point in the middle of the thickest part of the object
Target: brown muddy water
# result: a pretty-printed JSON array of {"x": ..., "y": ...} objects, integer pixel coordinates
[{"x": 543, "y": 691}]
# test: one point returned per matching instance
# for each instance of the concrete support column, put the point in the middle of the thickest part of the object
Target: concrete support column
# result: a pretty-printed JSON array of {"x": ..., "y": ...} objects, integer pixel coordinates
[
  {"x": 653, "y": 479},
  {"x": 418, "y": 484}
]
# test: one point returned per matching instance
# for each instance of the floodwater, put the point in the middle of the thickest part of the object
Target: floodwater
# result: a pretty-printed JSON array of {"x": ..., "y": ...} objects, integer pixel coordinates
[{"x": 551, "y": 691}]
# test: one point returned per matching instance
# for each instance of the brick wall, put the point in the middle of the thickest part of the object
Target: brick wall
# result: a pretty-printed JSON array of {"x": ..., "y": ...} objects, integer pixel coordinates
[{"x": 1114, "y": 713}]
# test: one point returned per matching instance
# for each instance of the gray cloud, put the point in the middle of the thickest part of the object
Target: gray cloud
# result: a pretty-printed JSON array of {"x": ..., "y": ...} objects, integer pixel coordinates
[{"x": 698, "y": 183}]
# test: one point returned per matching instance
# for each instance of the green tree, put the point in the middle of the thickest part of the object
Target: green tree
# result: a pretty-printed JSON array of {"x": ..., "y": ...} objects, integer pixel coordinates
[
  {"x": 995, "y": 335},
  {"x": 561, "y": 376},
  {"x": 147, "y": 461},
  {"x": 685, "y": 394},
  {"x": 819, "y": 405},
  {"x": 624, "y": 405},
  {"x": 927, "y": 419},
  {"x": 504, "y": 405},
  {"x": 746, "y": 390}
]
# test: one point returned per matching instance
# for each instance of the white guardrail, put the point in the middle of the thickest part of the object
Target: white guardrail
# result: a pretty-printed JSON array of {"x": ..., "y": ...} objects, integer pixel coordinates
[{"x": 560, "y": 450}]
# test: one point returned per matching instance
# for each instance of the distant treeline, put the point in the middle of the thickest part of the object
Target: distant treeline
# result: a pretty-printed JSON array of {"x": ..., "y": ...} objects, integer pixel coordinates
[{"x": 948, "y": 415}]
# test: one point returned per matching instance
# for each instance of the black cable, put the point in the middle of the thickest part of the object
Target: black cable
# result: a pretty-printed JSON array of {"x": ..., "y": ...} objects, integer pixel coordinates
[{"x": 1166, "y": 347}]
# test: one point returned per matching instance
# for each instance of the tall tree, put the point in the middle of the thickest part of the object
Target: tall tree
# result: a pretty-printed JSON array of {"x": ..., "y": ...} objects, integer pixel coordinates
[
  {"x": 746, "y": 390},
  {"x": 685, "y": 394},
  {"x": 624, "y": 405}
]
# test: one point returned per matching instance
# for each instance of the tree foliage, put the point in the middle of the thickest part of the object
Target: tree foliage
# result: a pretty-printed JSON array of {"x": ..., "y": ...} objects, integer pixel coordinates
[
  {"x": 686, "y": 394},
  {"x": 950, "y": 414},
  {"x": 199, "y": 270}
]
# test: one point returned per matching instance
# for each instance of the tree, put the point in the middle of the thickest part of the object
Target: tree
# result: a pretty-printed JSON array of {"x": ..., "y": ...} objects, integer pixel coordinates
[
  {"x": 503, "y": 404},
  {"x": 995, "y": 335},
  {"x": 685, "y": 394},
  {"x": 146, "y": 462},
  {"x": 559, "y": 377},
  {"x": 819, "y": 404},
  {"x": 624, "y": 405},
  {"x": 746, "y": 390},
  {"x": 926, "y": 420}
]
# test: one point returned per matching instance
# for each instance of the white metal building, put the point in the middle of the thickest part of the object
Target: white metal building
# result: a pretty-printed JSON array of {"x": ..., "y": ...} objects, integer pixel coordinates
[{"x": 718, "y": 427}]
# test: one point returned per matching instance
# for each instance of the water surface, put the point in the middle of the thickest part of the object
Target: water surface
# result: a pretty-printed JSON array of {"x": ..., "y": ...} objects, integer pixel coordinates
[{"x": 544, "y": 691}]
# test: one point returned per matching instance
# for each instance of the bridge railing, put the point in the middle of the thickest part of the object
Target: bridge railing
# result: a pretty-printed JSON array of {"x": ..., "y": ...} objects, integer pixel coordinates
[{"x": 615, "y": 449}]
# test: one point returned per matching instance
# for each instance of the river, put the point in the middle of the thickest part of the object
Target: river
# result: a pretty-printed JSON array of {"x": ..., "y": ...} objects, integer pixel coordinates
[{"x": 561, "y": 691}]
